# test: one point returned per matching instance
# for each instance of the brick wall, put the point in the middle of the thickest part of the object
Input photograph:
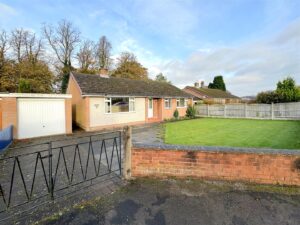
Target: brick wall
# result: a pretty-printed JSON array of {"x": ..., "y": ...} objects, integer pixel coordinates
[
  {"x": 266, "y": 167},
  {"x": 9, "y": 113},
  {"x": 68, "y": 112}
]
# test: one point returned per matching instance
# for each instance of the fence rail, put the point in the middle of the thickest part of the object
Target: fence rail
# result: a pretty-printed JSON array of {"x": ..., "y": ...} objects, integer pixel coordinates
[
  {"x": 52, "y": 170},
  {"x": 278, "y": 111},
  {"x": 6, "y": 138}
]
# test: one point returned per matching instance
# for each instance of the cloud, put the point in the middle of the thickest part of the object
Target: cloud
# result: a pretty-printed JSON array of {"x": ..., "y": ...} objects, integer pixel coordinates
[
  {"x": 247, "y": 68},
  {"x": 6, "y": 10}
]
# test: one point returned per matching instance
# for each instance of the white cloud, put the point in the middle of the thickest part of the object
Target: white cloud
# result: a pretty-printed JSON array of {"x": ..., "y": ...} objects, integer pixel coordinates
[
  {"x": 146, "y": 57},
  {"x": 6, "y": 10},
  {"x": 247, "y": 68}
]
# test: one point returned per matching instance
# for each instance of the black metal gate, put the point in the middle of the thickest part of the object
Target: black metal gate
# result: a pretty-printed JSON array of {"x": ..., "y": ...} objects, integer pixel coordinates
[{"x": 45, "y": 171}]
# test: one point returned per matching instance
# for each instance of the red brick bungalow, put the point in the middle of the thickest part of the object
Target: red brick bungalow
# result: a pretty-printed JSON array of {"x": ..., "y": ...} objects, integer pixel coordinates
[{"x": 100, "y": 101}]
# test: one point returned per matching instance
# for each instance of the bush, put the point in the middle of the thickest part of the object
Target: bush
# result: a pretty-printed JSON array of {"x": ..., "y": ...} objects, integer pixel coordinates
[
  {"x": 191, "y": 112},
  {"x": 176, "y": 114},
  {"x": 267, "y": 97}
]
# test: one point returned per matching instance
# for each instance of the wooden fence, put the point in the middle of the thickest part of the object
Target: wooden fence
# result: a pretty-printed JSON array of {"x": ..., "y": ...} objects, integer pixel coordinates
[{"x": 287, "y": 111}]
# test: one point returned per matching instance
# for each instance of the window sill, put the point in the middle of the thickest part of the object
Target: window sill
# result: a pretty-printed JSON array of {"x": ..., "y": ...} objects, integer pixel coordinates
[{"x": 119, "y": 113}]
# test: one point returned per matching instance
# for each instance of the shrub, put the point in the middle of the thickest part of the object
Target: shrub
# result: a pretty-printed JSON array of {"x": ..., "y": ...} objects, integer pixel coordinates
[
  {"x": 191, "y": 112},
  {"x": 176, "y": 114},
  {"x": 297, "y": 164}
]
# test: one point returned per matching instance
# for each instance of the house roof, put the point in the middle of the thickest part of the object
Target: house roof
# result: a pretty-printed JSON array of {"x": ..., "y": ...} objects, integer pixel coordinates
[
  {"x": 91, "y": 84},
  {"x": 208, "y": 92}
]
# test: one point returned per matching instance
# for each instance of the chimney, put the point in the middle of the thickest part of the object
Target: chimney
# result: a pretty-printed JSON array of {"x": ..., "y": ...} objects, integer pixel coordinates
[
  {"x": 202, "y": 84},
  {"x": 103, "y": 73}
]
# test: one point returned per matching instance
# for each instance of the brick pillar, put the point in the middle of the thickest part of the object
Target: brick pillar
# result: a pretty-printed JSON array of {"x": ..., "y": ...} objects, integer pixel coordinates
[
  {"x": 9, "y": 114},
  {"x": 127, "y": 148}
]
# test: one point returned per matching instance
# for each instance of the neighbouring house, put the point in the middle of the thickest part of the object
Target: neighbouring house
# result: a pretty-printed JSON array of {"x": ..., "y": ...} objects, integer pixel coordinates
[
  {"x": 204, "y": 94},
  {"x": 100, "y": 101},
  {"x": 35, "y": 115}
]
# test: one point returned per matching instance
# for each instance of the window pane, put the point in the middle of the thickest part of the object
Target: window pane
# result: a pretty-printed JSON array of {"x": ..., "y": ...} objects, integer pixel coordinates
[
  {"x": 168, "y": 103},
  {"x": 131, "y": 105},
  {"x": 181, "y": 102},
  {"x": 150, "y": 103},
  {"x": 120, "y": 105},
  {"x": 107, "y": 107}
]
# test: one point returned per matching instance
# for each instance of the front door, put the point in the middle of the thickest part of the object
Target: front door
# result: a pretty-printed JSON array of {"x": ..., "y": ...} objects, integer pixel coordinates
[{"x": 150, "y": 108}]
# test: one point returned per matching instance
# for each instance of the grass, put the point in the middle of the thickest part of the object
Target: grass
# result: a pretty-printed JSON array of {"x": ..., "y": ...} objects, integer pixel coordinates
[{"x": 234, "y": 133}]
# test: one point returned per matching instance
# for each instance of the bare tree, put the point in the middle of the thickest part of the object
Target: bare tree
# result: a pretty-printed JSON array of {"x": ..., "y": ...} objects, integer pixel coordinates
[
  {"x": 33, "y": 47},
  {"x": 103, "y": 53},
  {"x": 17, "y": 43},
  {"x": 86, "y": 57},
  {"x": 63, "y": 39},
  {"x": 26, "y": 45},
  {"x": 3, "y": 46},
  {"x": 126, "y": 57}
]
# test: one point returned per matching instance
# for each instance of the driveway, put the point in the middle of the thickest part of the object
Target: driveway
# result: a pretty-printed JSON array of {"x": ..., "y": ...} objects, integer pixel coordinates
[
  {"x": 153, "y": 133},
  {"x": 152, "y": 202}
]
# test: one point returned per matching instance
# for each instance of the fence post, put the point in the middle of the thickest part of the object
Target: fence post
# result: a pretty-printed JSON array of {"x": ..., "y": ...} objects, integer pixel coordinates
[
  {"x": 207, "y": 110},
  {"x": 246, "y": 114},
  {"x": 272, "y": 111},
  {"x": 127, "y": 151},
  {"x": 51, "y": 188},
  {"x": 224, "y": 110}
]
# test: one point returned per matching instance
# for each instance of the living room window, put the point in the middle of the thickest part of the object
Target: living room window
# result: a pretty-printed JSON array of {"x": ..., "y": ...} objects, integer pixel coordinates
[{"x": 119, "y": 104}]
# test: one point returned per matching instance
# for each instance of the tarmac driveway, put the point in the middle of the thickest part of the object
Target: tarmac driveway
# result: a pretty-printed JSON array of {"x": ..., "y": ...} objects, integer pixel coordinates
[{"x": 188, "y": 203}]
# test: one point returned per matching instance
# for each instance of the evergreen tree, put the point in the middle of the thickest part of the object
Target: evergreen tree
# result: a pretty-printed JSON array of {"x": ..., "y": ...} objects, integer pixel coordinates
[{"x": 218, "y": 83}]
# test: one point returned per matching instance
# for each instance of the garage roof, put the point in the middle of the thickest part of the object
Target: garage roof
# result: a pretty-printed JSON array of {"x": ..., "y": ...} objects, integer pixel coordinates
[{"x": 34, "y": 95}]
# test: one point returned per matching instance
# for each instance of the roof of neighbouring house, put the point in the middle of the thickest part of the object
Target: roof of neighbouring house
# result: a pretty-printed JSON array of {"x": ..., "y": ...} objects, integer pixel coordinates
[
  {"x": 91, "y": 84},
  {"x": 208, "y": 92}
]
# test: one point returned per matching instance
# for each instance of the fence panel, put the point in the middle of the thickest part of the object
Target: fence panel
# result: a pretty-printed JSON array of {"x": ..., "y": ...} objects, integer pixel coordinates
[
  {"x": 6, "y": 138},
  {"x": 288, "y": 111}
]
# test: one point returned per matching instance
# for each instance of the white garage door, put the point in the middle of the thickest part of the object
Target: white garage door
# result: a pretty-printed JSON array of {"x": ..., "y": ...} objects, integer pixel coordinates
[{"x": 40, "y": 117}]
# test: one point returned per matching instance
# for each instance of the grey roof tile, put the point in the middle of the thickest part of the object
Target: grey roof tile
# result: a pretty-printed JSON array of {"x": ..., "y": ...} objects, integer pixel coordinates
[{"x": 91, "y": 84}]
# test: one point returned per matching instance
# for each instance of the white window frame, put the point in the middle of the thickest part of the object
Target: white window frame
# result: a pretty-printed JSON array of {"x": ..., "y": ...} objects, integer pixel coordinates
[
  {"x": 131, "y": 100},
  {"x": 178, "y": 103},
  {"x": 169, "y": 101},
  {"x": 132, "y": 103},
  {"x": 107, "y": 100}
]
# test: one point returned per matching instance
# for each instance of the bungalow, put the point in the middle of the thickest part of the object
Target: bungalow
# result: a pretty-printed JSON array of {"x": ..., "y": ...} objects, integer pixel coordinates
[
  {"x": 100, "y": 101},
  {"x": 210, "y": 96}
]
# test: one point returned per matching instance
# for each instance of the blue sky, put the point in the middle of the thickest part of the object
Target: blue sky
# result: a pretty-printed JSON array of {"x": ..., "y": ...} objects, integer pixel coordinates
[{"x": 251, "y": 43}]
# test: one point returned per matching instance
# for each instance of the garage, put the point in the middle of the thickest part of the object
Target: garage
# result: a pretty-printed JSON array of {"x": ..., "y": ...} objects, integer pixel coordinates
[
  {"x": 40, "y": 117},
  {"x": 36, "y": 115}
]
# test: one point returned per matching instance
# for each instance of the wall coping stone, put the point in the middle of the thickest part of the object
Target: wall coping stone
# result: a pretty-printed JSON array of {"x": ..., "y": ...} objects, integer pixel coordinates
[{"x": 160, "y": 146}]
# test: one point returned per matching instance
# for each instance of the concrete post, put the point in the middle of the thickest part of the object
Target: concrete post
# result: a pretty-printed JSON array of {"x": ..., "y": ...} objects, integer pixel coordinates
[
  {"x": 246, "y": 114},
  {"x": 224, "y": 110},
  {"x": 127, "y": 152},
  {"x": 272, "y": 111},
  {"x": 208, "y": 110}
]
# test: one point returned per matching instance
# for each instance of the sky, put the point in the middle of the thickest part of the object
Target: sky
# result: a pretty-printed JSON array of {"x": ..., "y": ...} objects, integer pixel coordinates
[{"x": 252, "y": 43}]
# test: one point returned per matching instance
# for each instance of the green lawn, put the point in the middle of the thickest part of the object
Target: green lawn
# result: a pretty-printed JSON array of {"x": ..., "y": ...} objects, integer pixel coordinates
[{"x": 235, "y": 133}]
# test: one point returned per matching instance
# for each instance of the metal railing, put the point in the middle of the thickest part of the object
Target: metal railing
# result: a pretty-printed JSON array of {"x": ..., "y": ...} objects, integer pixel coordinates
[{"x": 54, "y": 169}]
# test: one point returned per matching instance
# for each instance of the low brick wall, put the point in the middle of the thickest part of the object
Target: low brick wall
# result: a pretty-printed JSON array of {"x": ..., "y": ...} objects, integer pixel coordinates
[{"x": 264, "y": 166}]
